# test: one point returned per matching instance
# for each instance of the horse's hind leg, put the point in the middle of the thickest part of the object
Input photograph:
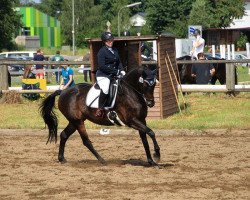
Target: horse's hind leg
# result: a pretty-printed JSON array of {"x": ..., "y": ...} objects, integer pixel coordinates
[
  {"x": 65, "y": 134},
  {"x": 85, "y": 139}
]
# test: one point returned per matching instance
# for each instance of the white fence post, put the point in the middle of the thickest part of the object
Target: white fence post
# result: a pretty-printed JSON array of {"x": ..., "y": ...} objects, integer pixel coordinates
[
  {"x": 154, "y": 50},
  {"x": 228, "y": 52},
  {"x": 223, "y": 51},
  {"x": 248, "y": 55},
  {"x": 233, "y": 51},
  {"x": 213, "y": 50},
  {"x": 220, "y": 51}
]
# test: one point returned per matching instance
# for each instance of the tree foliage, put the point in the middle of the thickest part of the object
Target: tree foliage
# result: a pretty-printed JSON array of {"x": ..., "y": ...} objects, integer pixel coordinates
[
  {"x": 88, "y": 22},
  {"x": 176, "y": 15},
  {"x": 168, "y": 15},
  {"x": 51, "y": 7},
  {"x": 172, "y": 16},
  {"x": 9, "y": 23},
  {"x": 110, "y": 13},
  {"x": 216, "y": 14}
]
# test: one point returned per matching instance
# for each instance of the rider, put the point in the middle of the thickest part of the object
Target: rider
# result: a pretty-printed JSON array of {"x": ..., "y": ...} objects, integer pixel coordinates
[{"x": 109, "y": 65}]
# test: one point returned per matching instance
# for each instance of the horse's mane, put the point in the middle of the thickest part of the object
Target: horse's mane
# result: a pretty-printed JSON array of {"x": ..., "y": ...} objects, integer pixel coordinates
[{"x": 133, "y": 75}]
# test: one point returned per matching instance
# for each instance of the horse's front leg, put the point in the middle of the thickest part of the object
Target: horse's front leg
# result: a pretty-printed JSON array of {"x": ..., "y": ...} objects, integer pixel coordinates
[
  {"x": 146, "y": 147},
  {"x": 157, "y": 154},
  {"x": 143, "y": 130}
]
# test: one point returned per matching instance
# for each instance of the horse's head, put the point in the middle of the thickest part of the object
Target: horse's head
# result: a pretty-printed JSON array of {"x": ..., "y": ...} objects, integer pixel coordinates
[
  {"x": 143, "y": 81},
  {"x": 147, "y": 82}
]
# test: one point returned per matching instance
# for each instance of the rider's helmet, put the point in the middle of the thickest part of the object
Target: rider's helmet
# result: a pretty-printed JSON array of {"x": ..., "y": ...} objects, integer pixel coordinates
[{"x": 107, "y": 36}]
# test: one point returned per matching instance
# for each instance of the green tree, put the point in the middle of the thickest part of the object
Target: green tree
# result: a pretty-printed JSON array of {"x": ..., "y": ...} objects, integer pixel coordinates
[
  {"x": 175, "y": 15},
  {"x": 51, "y": 7},
  {"x": 168, "y": 15},
  {"x": 110, "y": 13},
  {"x": 201, "y": 14},
  {"x": 9, "y": 23},
  {"x": 88, "y": 21},
  {"x": 216, "y": 14}
]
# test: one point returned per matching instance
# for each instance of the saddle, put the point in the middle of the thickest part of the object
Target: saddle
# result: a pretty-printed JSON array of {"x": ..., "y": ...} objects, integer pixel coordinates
[{"x": 92, "y": 99}]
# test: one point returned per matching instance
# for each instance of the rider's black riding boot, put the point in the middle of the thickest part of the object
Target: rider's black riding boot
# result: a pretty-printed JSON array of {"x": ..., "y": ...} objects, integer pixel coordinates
[{"x": 102, "y": 100}]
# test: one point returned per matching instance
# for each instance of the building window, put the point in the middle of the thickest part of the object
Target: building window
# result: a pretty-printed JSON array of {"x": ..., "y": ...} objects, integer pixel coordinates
[{"x": 26, "y": 31}]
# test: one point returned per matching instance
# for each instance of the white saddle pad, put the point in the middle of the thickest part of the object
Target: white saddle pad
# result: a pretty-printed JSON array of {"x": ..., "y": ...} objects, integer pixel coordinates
[{"x": 93, "y": 97}]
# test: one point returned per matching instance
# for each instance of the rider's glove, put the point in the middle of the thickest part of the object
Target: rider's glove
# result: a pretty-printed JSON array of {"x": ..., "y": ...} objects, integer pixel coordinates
[{"x": 122, "y": 73}]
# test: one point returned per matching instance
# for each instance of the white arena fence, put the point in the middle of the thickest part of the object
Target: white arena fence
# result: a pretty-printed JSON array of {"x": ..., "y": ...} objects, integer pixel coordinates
[{"x": 230, "y": 86}]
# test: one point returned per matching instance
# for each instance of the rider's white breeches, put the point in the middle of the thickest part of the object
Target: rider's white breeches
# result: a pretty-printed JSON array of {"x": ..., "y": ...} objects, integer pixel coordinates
[{"x": 104, "y": 83}]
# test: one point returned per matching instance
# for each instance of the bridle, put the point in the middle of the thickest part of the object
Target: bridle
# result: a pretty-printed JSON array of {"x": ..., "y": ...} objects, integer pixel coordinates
[{"x": 141, "y": 81}]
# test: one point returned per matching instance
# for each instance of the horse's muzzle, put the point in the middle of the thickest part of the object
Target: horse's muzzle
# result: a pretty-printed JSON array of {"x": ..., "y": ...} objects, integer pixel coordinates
[{"x": 150, "y": 103}]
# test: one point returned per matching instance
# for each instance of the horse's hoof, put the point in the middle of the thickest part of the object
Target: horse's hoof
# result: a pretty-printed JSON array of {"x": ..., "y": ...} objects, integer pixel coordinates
[
  {"x": 102, "y": 161},
  {"x": 62, "y": 160},
  {"x": 157, "y": 157},
  {"x": 152, "y": 163}
]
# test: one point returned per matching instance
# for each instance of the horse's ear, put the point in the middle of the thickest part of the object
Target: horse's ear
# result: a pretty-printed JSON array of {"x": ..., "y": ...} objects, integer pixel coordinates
[
  {"x": 154, "y": 71},
  {"x": 145, "y": 67},
  {"x": 140, "y": 70}
]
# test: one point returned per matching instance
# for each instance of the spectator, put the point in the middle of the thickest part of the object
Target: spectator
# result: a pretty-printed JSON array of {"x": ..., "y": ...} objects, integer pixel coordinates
[
  {"x": 198, "y": 44},
  {"x": 202, "y": 71},
  {"x": 57, "y": 58},
  {"x": 39, "y": 68},
  {"x": 67, "y": 79}
]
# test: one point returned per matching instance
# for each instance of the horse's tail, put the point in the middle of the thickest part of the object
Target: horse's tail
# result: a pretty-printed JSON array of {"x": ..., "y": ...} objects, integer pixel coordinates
[{"x": 49, "y": 116}]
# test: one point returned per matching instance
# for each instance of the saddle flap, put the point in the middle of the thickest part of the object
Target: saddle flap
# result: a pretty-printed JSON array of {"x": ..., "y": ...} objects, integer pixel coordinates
[{"x": 92, "y": 99}]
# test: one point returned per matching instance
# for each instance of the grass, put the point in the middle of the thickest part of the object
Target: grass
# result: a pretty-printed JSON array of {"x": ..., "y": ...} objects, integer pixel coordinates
[
  {"x": 243, "y": 75},
  {"x": 209, "y": 112},
  {"x": 204, "y": 112}
]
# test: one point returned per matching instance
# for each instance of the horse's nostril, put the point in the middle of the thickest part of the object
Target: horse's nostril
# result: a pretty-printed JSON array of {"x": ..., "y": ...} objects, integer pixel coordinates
[{"x": 150, "y": 103}]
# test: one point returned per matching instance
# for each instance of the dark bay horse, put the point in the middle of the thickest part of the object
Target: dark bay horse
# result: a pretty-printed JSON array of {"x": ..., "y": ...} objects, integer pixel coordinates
[
  {"x": 220, "y": 72},
  {"x": 135, "y": 93}
]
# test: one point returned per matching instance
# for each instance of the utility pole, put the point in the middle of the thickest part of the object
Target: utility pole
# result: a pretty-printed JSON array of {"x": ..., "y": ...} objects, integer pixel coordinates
[{"x": 73, "y": 26}]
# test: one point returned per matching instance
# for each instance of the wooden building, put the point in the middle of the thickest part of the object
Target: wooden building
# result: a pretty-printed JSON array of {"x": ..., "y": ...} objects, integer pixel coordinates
[{"x": 129, "y": 48}]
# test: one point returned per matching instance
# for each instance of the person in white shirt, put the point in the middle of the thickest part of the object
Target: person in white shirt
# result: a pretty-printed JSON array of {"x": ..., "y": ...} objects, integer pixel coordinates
[{"x": 198, "y": 44}]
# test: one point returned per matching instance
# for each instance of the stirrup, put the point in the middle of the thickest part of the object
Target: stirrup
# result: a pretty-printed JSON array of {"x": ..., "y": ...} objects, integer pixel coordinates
[{"x": 112, "y": 115}]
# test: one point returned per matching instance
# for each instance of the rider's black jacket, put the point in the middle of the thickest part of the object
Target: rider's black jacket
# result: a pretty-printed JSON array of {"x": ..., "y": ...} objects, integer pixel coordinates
[{"x": 109, "y": 63}]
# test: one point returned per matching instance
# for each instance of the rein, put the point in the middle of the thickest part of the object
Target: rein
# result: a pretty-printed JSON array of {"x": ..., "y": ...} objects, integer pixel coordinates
[{"x": 130, "y": 86}]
